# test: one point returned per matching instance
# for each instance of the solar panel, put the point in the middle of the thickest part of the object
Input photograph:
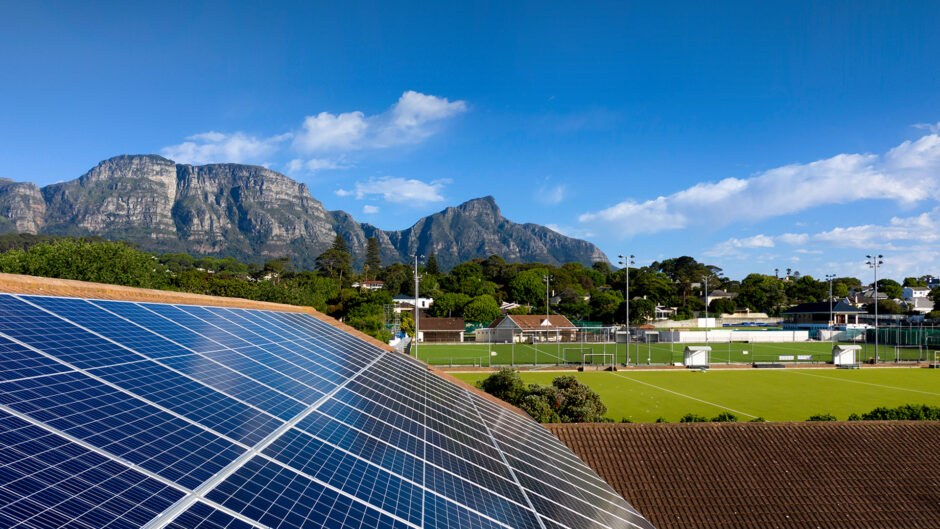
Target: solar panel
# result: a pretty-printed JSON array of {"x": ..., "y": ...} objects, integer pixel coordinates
[{"x": 121, "y": 414}]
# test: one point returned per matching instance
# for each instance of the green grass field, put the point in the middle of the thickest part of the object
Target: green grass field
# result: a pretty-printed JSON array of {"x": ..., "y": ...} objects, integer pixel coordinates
[
  {"x": 774, "y": 394},
  {"x": 656, "y": 353}
]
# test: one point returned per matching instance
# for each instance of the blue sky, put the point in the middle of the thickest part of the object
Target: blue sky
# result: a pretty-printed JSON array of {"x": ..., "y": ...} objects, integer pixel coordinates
[{"x": 750, "y": 135}]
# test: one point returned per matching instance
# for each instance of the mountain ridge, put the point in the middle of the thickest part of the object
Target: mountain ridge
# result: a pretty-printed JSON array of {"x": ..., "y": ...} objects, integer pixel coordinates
[{"x": 254, "y": 213}]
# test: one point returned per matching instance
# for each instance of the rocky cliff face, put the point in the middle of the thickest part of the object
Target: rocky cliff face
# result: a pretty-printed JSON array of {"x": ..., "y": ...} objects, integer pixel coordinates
[{"x": 253, "y": 213}]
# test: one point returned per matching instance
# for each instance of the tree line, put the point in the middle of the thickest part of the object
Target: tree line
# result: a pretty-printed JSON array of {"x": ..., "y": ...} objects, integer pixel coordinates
[{"x": 473, "y": 290}]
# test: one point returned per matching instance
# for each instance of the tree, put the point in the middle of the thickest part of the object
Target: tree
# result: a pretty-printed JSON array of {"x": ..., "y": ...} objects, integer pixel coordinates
[
  {"x": 335, "y": 262},
  {"x": 607, "y": 306},
  {"x": 721, "y": 306},
  {"x": 481, "y": 309},
  {"x": 528, "y": 287},
  {"x": 431, "y": 267},
  {"x": 935, "y": 297},
  {"x": 449, "y": 304},
  {"x": 641, "y": 310},
  {"x": 886, "y": 306},
  {"x": 915, "y": 282},
  {"x": 762, "y": 293},
  {"x": 890, "y": 287},
  {"x": 373, "y": 257}
]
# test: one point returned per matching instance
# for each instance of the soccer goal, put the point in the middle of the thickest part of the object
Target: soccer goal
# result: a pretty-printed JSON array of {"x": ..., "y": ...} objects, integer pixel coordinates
[{"x": 588, "y": 360}]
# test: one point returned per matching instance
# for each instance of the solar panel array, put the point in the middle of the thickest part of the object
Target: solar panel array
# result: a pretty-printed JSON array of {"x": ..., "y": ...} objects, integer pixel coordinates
[{"x": 119, "y": 415}]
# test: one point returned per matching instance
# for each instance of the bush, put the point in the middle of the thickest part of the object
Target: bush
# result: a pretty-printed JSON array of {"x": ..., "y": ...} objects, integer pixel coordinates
[
  {"x": 758, "y": 419},
  {"x": 822, "y": 417},
  {"x": 566, "y": 400},
  {"x": 725, "y": 417},
  {"x": 661, "y": 419},
  {"x": 691, "y": 417},
  {"x": 907, "y": 412}
]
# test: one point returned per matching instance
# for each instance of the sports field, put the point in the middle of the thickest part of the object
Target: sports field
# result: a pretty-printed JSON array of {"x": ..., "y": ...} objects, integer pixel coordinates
[
  {"x": 482, "y": 354},
  {"x": 774, "y": 394}
]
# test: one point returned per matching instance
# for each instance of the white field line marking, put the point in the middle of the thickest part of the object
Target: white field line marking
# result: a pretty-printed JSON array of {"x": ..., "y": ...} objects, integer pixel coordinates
[
  {"x": 684, "y": 395},
  {"x": 797, "y": 372}
]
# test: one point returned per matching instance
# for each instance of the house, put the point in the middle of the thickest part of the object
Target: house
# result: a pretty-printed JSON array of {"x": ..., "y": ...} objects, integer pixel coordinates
[
  {"x": 862, "y": 298},
  {"x": 507, "y": 306},
  {"x": 407, "y": 304},
  {"x": 370, "y": 285},
  {"x": 920, "y": 305},
  {"x": 910, "y": 293},
  {"x": 719, "y": 294},
  {"x": 664, "y": 313},
  {"x": 813, "y": 316},
  {"x": 528, "y": 328},
  {"x": 440, "y": 329}
]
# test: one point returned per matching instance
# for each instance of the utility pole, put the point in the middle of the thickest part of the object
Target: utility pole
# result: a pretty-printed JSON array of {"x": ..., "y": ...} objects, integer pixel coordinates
[
  {"x": 547, "y": 279},
  {"x": 626, "y": 262},
  {"x": 830, "y": 277},
  {"x": 417, "y": 277},
  {"x": 874, "y": 261},
  {"x": 706, "y": 309}
]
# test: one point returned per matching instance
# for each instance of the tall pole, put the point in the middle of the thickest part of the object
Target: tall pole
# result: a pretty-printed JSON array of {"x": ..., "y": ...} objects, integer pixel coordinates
[
  {"x": 874, "y": 261},
  {"x": 548, "y": 280},
  {"x": 830, "y": 277},
  {"x": 415, "y": 347},
  {"x": 706, "y": 309},
  {"x": 626, "y": 262}
]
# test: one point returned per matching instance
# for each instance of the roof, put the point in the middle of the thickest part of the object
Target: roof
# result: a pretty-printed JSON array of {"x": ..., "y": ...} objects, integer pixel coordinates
[
  {"x": 859, "y": 474},
  {"x": 441, "y": 324},
  {"x": 840, "y": 307},
  {"x": 534, "y": 321}
]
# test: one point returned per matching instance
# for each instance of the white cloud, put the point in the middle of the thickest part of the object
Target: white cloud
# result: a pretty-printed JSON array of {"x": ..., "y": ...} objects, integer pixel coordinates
[
  {"x": 313, "y": 165},
  {"x": 369, "y": 210},
  {"x": 934, "y": 128},
  {"x": 906, "y": 174},
  {"x": 733, "y": 246},
  {"x": 569, "y": 231},
  {"x": 410, "y": 120},
  {"x": 551, "y": 195},
  {"x": 216, "y": 147},
  {"x": 398, "y": 190}
]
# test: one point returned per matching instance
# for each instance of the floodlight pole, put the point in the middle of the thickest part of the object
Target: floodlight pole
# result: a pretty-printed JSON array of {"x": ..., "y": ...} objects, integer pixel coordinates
[
  {"x": 626, "y": 262},
  {"x": 706, "y": 309},
  {"x": 874, "y": 261},
  {"x": 830, "y": 277},
  {"x": 417, "y": 277}
]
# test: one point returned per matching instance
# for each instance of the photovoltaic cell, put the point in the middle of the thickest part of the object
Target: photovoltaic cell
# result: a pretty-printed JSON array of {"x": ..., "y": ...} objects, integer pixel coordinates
[
  {"x": 17, "y": 361},
  {"x": 100, "y": 321},
  {"x": 278, "y": 497},
  {"x": 111, "y": 420},
  {"x": 170, "y": 330},
  {"x": 54, "y": 336},
  {"x": 191, "y": 399},
  {"x": 48, "y": 481}
]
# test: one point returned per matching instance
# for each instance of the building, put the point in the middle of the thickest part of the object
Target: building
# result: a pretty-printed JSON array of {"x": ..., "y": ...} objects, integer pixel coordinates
[
  {"x": 407, "y": 303},
  {"x": 529, "y": 328},
  {"x": 440, "y": 329},
  {"x": 910, "y": 293},
  {"x": 719, "y": 294},
  {"x": 814, "y": 316},
  {"x": 370, "y": 285}
]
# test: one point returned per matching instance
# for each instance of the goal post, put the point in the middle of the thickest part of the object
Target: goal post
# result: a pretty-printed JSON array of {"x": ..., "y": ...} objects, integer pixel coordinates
[{"x": 607, "y": 360}]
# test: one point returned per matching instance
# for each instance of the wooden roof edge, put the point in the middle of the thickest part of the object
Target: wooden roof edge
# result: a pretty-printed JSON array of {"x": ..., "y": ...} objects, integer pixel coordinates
[{"x": 70, "y": 288}]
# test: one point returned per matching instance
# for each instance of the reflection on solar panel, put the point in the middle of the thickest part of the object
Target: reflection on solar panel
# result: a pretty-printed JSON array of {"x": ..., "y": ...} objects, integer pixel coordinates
[{"x": 119, "y": 415}]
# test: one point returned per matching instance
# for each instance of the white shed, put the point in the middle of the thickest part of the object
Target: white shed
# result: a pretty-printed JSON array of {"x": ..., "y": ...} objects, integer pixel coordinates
[
  {"x": 845, "y": 354},
  {"x": 696, "y": 355}
]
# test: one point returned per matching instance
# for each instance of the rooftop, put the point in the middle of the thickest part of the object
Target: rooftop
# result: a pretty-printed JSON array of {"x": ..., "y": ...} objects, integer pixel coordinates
[{"x": 858, "y": 475}]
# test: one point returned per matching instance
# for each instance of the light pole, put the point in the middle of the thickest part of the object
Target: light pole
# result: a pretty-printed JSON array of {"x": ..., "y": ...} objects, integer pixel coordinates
[
  {"x": 548, "y": 280},
  {"x": 417, "y": 277},
  {"x": 830, "y": 277},
  {"x": 874, "y": 262},
  {"x": 706, "y": 309},
  {"x": 626, "y": 262}
]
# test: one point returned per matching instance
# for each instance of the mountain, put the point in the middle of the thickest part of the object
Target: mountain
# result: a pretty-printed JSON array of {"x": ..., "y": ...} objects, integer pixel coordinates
[{"x": 253, "y": 214}]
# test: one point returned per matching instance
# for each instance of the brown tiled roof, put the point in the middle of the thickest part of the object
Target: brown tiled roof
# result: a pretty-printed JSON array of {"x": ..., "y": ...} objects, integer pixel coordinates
[
  {"x": 534, "y": 321},
  {"x": 441, "y": 324},
  {"x": 859, "y": 474},
  {"x": 20, "y": 284}
]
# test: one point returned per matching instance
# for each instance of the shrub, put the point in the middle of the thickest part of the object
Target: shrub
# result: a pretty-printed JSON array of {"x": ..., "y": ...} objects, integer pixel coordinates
[
  {"x": 566, "y": 400},
  {"x": 691, "y": 417},
  {"x": 505, "y": 384},
  {"x": 758, "y": 419},
  {"x": 725, "y": 417},
  {"x": 907, "y": 412},
  {"x": 822, "y": 417},
  {"x": 661, "y": 419}
]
